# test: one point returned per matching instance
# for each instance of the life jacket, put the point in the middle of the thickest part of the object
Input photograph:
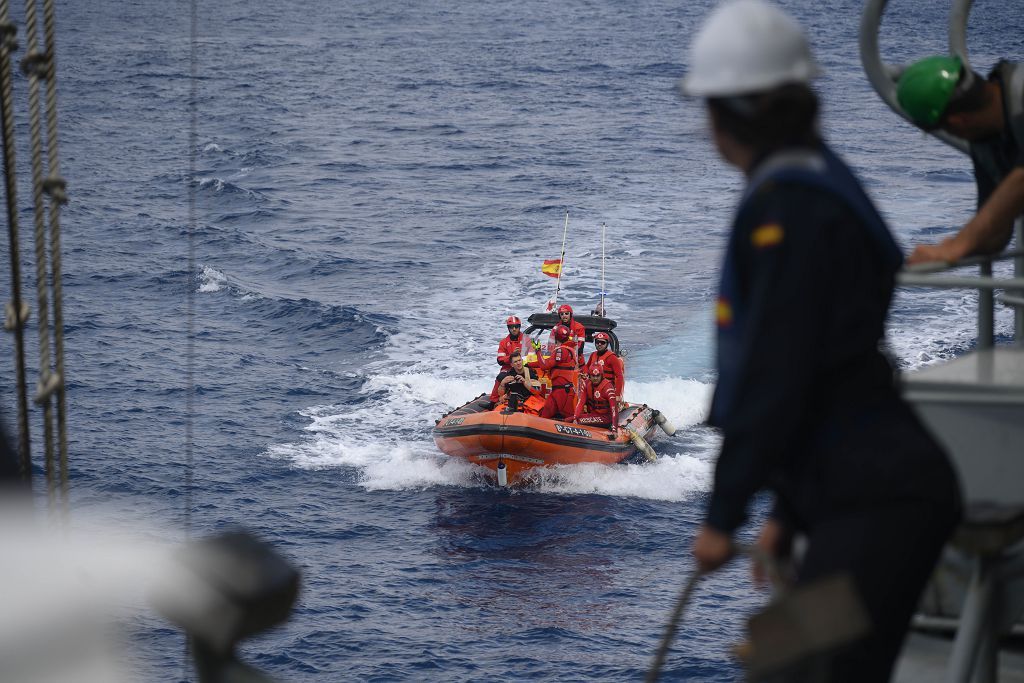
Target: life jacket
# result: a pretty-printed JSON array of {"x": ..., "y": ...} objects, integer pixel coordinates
[
  {"x": 599, "y": 397},
  {"x": 607, "y": 367},
  {"x": 533, "y": 405},
  {"x": 988, "y": 156},
  {"x": 506, "y": 347},
  {"x": 564, "y": 371},
  {"x": 820, "y": 169}
]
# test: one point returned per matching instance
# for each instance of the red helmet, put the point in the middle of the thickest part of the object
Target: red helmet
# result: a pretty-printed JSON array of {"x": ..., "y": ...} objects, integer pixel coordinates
[
  {"x": 596, "y": 370},
  {"x": 565, "y": 308},
  {"x": 512, "y": 320},
  {"x": 602, "y": 336},
  {"x": 561, "y": 333}
]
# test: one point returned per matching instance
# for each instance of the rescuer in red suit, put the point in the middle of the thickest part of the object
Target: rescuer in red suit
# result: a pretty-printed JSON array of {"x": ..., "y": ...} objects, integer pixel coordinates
[
  {"x": 561, "y": 367},
  {"x": 577, "y": 333},
  {"x": 513, "y": 342},
  {"x": 600, "y": 402},
  {"x": 609, "y": 363}
]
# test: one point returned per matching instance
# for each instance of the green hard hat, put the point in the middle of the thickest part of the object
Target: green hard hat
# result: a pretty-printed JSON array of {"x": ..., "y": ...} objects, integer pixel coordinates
[{"x": 926, "y": 87}]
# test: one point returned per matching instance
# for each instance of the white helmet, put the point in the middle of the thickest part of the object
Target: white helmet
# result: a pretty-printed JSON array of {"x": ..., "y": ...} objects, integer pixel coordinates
[{"x": 747, "y": 46}]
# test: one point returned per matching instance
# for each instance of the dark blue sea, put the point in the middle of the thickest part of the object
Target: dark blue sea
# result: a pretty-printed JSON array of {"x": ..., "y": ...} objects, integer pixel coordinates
[{"x": 376, "y": 186}]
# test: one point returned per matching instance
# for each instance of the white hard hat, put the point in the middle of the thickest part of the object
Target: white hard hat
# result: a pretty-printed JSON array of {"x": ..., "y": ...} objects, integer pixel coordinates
[{"x": 747, "y": 46}]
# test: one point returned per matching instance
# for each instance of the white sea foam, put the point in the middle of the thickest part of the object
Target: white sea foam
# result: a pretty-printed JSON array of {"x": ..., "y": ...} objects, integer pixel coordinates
[
  {"x": 213, "y": 147},
  {"x": 684, "y": 402},
  {"x": 671, "y": 477},
  {"x": 216, "y": 183},
  {"x": 929, "y": 326},
  {"x": 211, "y": 280}
]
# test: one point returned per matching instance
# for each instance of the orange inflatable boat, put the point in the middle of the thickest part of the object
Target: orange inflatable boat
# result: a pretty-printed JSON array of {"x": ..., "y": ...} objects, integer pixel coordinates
[{"x": 513, "y": 442}]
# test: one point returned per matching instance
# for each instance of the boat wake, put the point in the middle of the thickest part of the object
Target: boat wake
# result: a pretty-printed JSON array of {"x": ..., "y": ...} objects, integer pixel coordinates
[{"x": 385, "y": 441}]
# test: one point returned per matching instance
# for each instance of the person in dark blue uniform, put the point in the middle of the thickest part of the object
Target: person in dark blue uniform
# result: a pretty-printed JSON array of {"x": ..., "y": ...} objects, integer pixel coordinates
[{"x": 805, "y": 398}]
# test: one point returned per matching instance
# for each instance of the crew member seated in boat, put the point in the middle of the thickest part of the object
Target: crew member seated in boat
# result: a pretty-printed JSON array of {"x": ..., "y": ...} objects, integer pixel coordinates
[
  {"x": 600, "y": 401},
  {"x": 610, "y": 364},
  {"x": 520, "y": 389},
  {"x": 512, "y": 342},
  {"x": 562, "y": 368},
  {"x": 577, "y": 333}
]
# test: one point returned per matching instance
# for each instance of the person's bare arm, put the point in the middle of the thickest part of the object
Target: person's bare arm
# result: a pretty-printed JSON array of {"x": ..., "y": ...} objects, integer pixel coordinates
[{"x": 990, "y": 229}]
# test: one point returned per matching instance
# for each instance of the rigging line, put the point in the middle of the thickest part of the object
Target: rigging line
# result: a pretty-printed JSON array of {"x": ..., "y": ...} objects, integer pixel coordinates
[
  {"x": 18, "y": 312},
  {"x": 190, "y": 347},
  {"x": 561, "y": 257},
  {"x": 603, "y": 230},
  {"x": 189, "y": 285},
  {"x": 56, "y": 188},
  {"x": 32, "y": 64}
]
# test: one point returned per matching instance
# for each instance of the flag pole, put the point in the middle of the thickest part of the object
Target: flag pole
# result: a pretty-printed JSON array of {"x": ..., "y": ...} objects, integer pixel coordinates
[
  {"x": 603, "y": 230},
  {"x": 561, "y": 259}
]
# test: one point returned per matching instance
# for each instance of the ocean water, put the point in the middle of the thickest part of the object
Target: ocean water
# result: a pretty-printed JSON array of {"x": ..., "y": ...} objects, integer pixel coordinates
[{"x": 376, "y": 187}]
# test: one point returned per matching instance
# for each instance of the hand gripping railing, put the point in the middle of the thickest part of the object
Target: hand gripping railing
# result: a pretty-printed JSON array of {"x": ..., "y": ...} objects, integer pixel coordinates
[{"x": 929, "y": 275}]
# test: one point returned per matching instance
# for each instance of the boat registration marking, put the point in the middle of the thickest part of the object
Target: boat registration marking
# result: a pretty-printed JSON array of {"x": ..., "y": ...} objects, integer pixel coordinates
[
  {"x": 575, "y": 431},
  {"x": 520, "y": 458},
  {"x": 454, "y": 421}
]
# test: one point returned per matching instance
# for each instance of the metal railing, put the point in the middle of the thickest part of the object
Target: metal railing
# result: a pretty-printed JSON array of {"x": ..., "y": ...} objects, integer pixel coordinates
[{"x": 929, "y": 275}]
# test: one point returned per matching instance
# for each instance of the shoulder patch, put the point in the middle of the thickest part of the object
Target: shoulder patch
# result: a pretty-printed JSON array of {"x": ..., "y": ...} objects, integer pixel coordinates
[
  {"x": 723, "y": 312},
  {"x": 767, "y": 235}
]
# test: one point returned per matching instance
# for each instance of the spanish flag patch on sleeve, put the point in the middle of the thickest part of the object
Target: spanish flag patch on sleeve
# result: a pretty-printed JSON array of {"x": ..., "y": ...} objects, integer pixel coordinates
[
  {"x": 767, "y": 235},
  {"x": 723, "y": 312}
]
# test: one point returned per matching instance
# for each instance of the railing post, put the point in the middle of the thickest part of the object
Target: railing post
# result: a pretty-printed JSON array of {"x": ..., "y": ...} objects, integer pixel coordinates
[
  {"x": 1018, "y": 271},
  {"x": 986, "y": 305}
]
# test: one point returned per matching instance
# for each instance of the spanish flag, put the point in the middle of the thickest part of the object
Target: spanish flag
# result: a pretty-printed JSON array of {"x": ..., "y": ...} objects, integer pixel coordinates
[{"x": 552, "y": 267}]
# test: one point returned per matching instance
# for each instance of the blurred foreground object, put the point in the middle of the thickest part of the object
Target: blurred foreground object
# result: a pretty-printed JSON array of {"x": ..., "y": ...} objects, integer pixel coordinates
[
  {"x": 69, "y": 595},
  {"x": 225, "y": 589},
  {"x": 794, "y": 637}
]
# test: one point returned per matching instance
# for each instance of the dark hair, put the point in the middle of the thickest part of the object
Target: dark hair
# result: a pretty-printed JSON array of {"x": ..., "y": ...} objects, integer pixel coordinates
[
  {"x": 783, "y": 117},
  {"x": 515, "y": 353},
  {"x": 970, "y": 94}
]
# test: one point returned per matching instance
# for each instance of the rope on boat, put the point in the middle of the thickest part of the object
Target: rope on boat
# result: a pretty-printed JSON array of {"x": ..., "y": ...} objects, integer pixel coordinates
[
  {"x": 17, "y": 309},
  {"x": 42, "y": 66}
]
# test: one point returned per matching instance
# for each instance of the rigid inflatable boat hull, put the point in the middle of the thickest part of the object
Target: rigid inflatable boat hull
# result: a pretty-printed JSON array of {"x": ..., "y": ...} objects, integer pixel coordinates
[{"x": 523, "y": 441}]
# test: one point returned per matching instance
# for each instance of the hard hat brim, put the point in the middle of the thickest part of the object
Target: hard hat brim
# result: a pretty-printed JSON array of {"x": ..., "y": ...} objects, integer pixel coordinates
[{"x": 688, "y": 86}]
